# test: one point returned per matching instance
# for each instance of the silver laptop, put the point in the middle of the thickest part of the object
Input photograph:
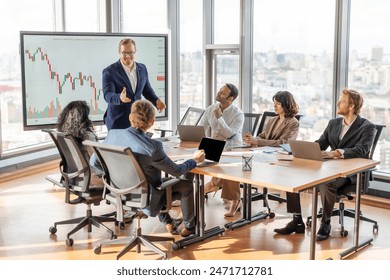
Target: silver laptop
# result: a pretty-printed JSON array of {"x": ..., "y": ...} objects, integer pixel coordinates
[
  {"x": 306, "y": 150},
  {"x": 191, "y": 133},
  {"x": 213, "y": 149}
]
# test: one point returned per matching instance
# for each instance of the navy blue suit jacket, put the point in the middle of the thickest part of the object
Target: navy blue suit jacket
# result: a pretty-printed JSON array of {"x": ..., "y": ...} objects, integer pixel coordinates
[
  {"x": 114, "y": 79},
  {"x": 152, "y": 159}
]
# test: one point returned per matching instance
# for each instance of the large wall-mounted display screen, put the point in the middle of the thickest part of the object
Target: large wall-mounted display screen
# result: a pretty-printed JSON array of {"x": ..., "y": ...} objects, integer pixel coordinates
[{"x": 60, "y": 67}]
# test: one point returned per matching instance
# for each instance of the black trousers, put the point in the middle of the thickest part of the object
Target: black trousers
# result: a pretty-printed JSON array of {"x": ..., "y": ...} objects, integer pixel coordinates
[
  {"x": 293, "y": 203},
  {"x": 328, "y": 193}
]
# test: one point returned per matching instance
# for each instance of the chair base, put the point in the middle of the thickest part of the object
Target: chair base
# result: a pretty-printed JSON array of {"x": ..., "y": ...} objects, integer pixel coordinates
[
  {"x": 265, "y": 196},
  {"x": 136, "y": 240},
  {"x": 88, "y": 221},
  {"x": 268, "y": 196},
  {"x": 341, "y": 213}
]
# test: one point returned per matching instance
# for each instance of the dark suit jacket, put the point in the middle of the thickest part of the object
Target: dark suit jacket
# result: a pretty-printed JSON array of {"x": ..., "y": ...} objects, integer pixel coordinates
[
  {"x": 114, "y": 79},
  {"x": 356, "y": 143},
  {"x": 152, "y": 159}
]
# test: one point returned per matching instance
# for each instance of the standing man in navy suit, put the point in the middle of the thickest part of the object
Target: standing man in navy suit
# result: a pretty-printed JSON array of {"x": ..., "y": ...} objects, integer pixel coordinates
[{"x": 124, "y": 82}]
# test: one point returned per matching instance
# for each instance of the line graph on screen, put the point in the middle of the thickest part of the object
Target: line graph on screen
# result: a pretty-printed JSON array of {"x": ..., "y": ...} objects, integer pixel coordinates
[
  {"x": 58, "y": 68},
  {"x": 63, "y": 83}
]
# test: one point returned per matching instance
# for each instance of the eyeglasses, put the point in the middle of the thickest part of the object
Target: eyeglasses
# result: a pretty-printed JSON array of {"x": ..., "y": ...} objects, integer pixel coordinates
[{"x": 128, "y": 53}]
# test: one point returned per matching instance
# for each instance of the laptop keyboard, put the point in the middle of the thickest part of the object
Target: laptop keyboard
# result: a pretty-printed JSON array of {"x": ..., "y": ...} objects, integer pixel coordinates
[{"x": 206, "y": 163}]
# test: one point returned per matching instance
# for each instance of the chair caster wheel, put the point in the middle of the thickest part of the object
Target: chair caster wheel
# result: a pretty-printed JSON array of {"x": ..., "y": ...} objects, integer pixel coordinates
[
  {"x": 375, "y": 228},
  {"x": 175, "y": 246},
  {"x": 344, "y": 233},
  {"x": 69, "y": 242},
  {"x": 271, "y": 215},
  {"x": 122, "y": 225},
  {"x": 53, "y": 230},
  {"x": 97, "y": 250}
]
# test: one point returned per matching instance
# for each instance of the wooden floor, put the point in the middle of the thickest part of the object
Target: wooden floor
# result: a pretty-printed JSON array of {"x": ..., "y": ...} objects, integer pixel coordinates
[{"x": 30, "y": 205}]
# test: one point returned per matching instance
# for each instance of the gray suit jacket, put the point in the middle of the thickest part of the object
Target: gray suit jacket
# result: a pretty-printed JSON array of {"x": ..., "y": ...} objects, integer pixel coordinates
[
  {"x": 272, "y": 136},
  {"x": 152, "y": 159}
]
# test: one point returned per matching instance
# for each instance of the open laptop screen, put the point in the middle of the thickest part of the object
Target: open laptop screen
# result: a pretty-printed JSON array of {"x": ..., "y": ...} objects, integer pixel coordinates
[{"x": 213, "y": 148}]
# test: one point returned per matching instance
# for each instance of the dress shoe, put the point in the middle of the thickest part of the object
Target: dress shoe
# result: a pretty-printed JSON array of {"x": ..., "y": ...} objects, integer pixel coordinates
[
  {"x": 293, "y": 226},
  {"x": 323, "y": 233},
  {"x": 187, "y": 232},
  {"x": 210, "y": 187},
  {"x": 172, "y": 227},
  {"x": 235, "y": 205}
]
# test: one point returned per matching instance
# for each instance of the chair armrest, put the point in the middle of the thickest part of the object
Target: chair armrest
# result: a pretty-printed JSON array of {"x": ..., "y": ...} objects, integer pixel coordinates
[
  {"x": 55, "y": 179},
  {"x": 163, "y": 131},
  {"x": 168, "y": 183}
]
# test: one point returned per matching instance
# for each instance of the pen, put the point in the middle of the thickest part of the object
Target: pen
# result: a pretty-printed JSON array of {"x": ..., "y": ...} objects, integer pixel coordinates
[
  {"x": 247, "y": 158},
  {"x": 269, "y": 151}
]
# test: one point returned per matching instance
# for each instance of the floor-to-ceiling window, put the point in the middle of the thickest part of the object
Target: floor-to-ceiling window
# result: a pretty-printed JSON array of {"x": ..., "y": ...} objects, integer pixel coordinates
[
  {"x": 226, "y": 22},
  {"x": 16, "y": 16},
  {"x": 224, "y": 46},
  {"x": 40, "y": 15},
  {"x": 191, "y": 54},
  {"x": 146, "y": 16},
  {"x": 293, "y": 45},
  {"x": 369, "y": 67},
  {"x": 227, "y": 69},
  {"x": 82, "y": 15}
]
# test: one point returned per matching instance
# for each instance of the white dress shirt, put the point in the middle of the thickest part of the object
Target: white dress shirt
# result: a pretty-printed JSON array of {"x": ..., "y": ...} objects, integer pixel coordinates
[
  {"x": 132, "y": 75},
  {"x": 227, "y": 127}
]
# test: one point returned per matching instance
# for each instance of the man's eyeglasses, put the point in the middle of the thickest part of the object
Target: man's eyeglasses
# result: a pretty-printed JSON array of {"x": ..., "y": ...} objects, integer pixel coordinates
[{"x": 128, "y": 53}]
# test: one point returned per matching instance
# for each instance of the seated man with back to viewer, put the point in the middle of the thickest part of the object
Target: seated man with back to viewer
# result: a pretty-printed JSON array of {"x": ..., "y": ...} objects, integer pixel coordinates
[
  {"x": 153, "y": 160},
  {"x": 350, "y": 136}
]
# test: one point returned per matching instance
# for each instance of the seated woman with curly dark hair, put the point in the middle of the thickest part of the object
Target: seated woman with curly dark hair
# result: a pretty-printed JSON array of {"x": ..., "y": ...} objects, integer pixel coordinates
[{"x": 74, "y": 119}]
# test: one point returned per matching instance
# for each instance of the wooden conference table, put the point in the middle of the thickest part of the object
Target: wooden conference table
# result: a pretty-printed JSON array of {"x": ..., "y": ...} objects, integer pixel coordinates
[{"x": 291, "y": 176}]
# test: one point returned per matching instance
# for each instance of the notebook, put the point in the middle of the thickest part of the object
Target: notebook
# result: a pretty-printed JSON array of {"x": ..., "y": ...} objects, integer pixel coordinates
[
  {"x": 213, "y": 149},
  {"x": 306, "y": 150},
  {"x": 191, "y": 133}
]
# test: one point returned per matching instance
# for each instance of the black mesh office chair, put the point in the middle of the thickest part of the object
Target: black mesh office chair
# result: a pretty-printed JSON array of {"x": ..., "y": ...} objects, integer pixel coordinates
[
  {"x": 347, "y": 191},
  {"x": 265, "y": 196},
  {"x": 191, "y": 117},
  {"x": 76, "y": 179},
  {"x": 127, "y": 187},
  {"x": 251, "y": 123}
]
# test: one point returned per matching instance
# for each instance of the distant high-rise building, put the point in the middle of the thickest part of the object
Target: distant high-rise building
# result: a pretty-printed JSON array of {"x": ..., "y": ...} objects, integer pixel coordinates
[{"x": 376, "y": 54}]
